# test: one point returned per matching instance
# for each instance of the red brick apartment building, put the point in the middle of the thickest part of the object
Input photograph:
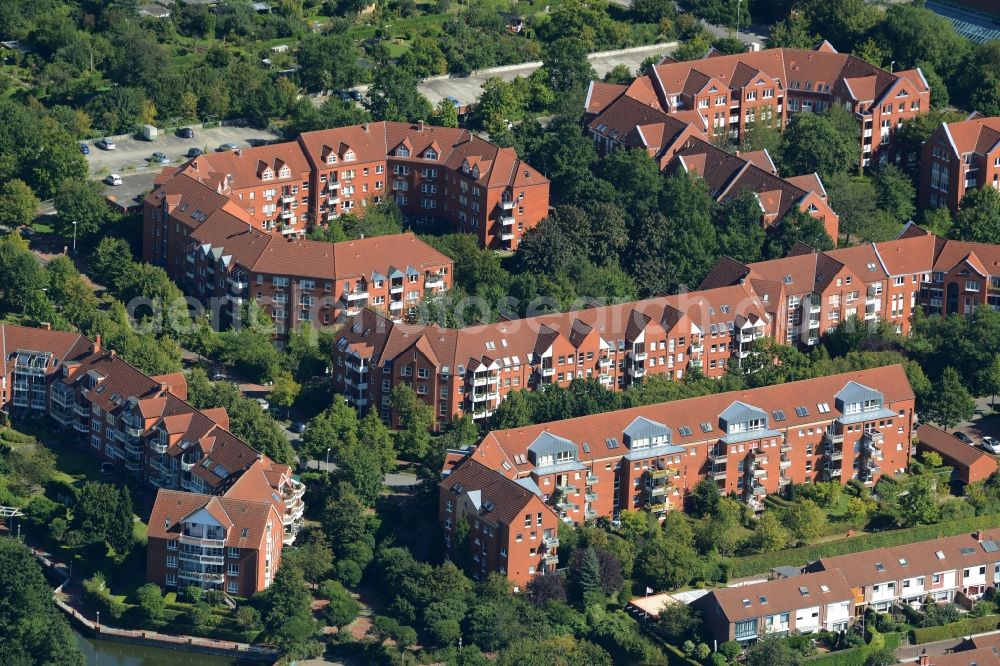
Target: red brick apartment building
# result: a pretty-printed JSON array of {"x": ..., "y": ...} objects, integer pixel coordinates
[
  {"x": 814, "y": 291},
  {"x": 722, "y": 94},
  {"x": 142, "y": 424},
  {"x": 471, "y": 370},
  {"x": 211, "y": 542},
  {"x": 211, "y": 246},
  {"x": 959, "y": 157},
  {"x": 432, "y": 173},
  {"x": 511, "y": 530},
  {"x": 752, "y": 443},
  {"x": 803, "y": 604}
]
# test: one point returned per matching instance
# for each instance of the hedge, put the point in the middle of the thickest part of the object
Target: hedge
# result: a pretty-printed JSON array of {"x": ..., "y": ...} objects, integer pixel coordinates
[
  {"x": 857, "y": 656},
  {"x": 751, "y": 565},
  {"x": 964, "y": 627}
]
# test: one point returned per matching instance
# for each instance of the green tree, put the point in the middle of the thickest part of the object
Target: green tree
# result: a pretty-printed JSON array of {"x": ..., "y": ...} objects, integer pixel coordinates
[
  {"x": 376, "y": 436},
  {"x": 34, "y": 631},
  {"x": 83, "y": 202},
  {"x": 585, "y": 580},
  {"x": 22, "y": 290},
  {"x": 741, "y": 230},
  {"x": 677, "y": 621},
  {"x": 792, "y": 32},
  {"x": 288, "y": 620},
  {"x": 565, "y": 62},
  {"x": 336, "y": 429},
  {"x": 103, "y": 512},
  {"x": 895, "y": 194},
  {"x": 704, "y": 498},
  {"x": 804, "y": 520},
  {"x": 979, "y": 217},
  {"x": 769, "y": 534},
  {"x": 362, "y": 469},
  {"x": 444, "y": 114},
  {"x": 722, "y": 530},
  {"x": 18, "y": 203},
  {"x": 343, "y": 608},
  {"x": 151, "y": 601},
  {"x": 919, "y": 506},
  {"x": 415, "y": 418},
  {"x": 822, "y": 142},
  {"x": 771, "y": 650},
  {"x": 111, "y": 261},
  {"x": 393, "y": 95},
  {"x": 314, "y": 558},
  {"x": 284, "y": 390},
  {"x": 327, "y": 61},
  {"x": 949, "y": 402}
]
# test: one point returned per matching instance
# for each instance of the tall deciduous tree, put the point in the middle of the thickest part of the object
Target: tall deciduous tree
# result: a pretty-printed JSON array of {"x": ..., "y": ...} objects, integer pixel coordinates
[
  {"x": 823, "y": 142},
  {"x": 18, "y": 203},
  {"x": 979, "y": 217},
  {"x": 949, "y": 402},
  {"x": 393, "y": 95},
  {"x": 83, "y": 202}
]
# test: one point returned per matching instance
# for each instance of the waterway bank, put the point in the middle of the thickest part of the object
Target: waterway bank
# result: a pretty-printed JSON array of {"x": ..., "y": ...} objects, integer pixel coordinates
[{"x": 107, "y": 653}]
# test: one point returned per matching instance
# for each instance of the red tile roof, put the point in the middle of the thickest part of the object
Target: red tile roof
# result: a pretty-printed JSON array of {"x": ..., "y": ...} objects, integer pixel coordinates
[
  {"x": 953, "y": 449},
  {"x": 782, "y": 595},
  {"x": 171, "y": 508}
]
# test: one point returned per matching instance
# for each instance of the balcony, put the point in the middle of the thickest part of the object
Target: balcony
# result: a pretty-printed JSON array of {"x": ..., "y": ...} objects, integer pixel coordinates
[
  {"x": 287, "y": 215},
  {"x": 814, "y": 308},
  {"x": 201, "y": 541},
  {"x": 188, "y": 461},
  {"x": 551, "y": 542},
  {"x": 287, "y": 198},
  {"x": 639, "y": 354},
  {"x": 659, "y": 473},
  {"x": 717, "y": 456},
  {"x": 758, "y": 491},
  {"x": 657, "y": 490},
  {"x": 287, "y": 229},
  {"x": 202, "y": 576},
  {"x": 132, "y": 431},
  {"x": 784, "y": 463},
  {"x": 493, "y": 395},
  {"x": 547, "y": 372},
  {"x": 81, "y": 426},
  {"x": 396, "y": 289},
  {"x": 333, "y": 185},
  {"x": 759, "y": 473},
  {"x": 813, "y": 323},
  {"x": 238, "y": 282},
  {"x": 356, "y": 295},
  {"x": 158, "y": 446},
  {"x": 637, "y": 371},
  {"x": 506, "y": 220},
  {"x": 82, "y": 409},
  {"x": 396, "y": 305},
  {"x": 567, "y": 488},
  {"x": 718, "y": 474},
  {"x": 432, "y": 280},
  {"x": 833, "y": 437},
  {"x": 507, "y": 236},
  {"x": 604, "y": 361},
  {"x": 478, "y": 397},
  {"x": 590, "y": 497},
  {"x": 832, "y": 472},
  {"x": 199, "y": 558},
  {"x": 134, "y": 466},
  {"x": 506, "y": 205},
  {"x": 833, "y": 453},
  {"x": 551, "y": 558}
]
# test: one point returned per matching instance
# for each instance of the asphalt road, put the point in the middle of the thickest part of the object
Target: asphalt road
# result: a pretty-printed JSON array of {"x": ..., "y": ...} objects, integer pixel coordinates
[{"x": 132, "y": 155}]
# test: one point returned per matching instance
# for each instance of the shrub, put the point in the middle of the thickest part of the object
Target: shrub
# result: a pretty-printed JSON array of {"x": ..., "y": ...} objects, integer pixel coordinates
[{"x": 964, "y": 627}]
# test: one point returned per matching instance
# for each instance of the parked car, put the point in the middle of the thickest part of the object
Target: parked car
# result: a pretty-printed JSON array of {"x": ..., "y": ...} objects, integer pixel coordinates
[
  {"x": 965, "y": 438},
  {"x": 113, "y": 179},
  {"x": 219, "y": 377},
  {"x": 185, "y": 133},
  {"x": 263, "y": 404},
  {"x": 991, "y": 445},
  {"x": 193, "y": 152},
  {"x": 298, "y": 427},
  {"x": 227, "y": 147},
  {"x": 85, "y": 149},
  {"x": 159, "y": 158},
  {"x": 106, "y": 143}
]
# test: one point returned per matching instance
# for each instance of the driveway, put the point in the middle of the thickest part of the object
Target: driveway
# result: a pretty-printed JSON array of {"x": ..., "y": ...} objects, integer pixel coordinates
[{"x": 131, "y": 155}]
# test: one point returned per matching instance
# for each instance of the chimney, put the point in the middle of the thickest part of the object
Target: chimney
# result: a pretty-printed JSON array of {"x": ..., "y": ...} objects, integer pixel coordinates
[
  {"x": 421, "y": 126},
  {"x": 239, "y": 152},
  {"x": 164, "y": 387},
  {"x": 365, "y": 126},
  {"x": 97, "y": 344},
  {"x": 923, "y": 659},
  {"x": 45, "y": 326},
  {"x": 112, "y": 351},
  {"x": 979, "y": 536}
]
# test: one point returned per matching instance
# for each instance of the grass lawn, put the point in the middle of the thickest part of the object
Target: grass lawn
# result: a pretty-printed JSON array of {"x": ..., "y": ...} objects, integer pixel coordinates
[{"x": 42, "y": 227}]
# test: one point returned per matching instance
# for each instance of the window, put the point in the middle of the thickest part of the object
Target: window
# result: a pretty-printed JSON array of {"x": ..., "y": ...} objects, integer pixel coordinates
[
  {"x": 233, "y": 569},
  {"x": 972, "y": 285},
  {"x": 234, "y": 552},
  {"x": 233, "y": 587},
  {"x": 171, "y": 561},
  {"x": 172, "y": 544}
]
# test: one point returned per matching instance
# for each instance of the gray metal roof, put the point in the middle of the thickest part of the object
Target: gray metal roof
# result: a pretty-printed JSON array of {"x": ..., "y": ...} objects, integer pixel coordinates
[
  {"x": 547, "y": 444},
  {"x": 642, "y": 428},
  {"x": 741, "y": 412},
  {"x": 855, "y": 392}
]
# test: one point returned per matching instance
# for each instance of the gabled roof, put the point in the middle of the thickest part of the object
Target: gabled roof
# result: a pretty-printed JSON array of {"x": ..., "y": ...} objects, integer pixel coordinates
[
  {"x": 507, "y": 498},
  {"x": 171, "y": 508},
  {"x": 781, "y": 595}
]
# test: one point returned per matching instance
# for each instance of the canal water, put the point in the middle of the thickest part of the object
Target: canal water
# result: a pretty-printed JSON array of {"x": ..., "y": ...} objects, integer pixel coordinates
[{"x": 110, "y": 653}]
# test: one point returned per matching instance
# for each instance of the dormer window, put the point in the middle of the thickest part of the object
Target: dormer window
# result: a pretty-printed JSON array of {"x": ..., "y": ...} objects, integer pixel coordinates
[
  {"x": 267, "y": 174},
  {"x": 430, "y": 154},
  {"x": 349, "y": 155},
  {"x": 402, "y": 151},
  {"x": 285, "y": 172},
  {"x": 331, "y": 158}
]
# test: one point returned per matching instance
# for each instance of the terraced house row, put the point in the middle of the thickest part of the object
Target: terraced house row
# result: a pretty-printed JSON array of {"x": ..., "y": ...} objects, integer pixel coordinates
[
  {"x": 145, "y": 426},
  {"x": 212, "y": 248},
  {"x": 750, "y": 443},
  {"x": 471, "y": 370},
  {"x": 724, "y": 95},
  {"x": 815, "y": 291},
  {"x": 833, "y": 592},
  {"x": 432, "y": 173}
]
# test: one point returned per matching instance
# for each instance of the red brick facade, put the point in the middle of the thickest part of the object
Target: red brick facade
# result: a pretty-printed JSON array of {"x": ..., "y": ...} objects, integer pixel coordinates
[
  {"x": 722, "y": 94},
  {"x": 471, "y": 370},
  {"x": 959, "y": 157}
]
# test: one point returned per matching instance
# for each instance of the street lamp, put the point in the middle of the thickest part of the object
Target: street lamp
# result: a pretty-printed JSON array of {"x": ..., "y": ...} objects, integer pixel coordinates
[
  {"x": 74, "y": 238},
  {"x": 891, "y": 63},
  {"x": 328, "y": 459},
  {"x": 98, "y": 620}
]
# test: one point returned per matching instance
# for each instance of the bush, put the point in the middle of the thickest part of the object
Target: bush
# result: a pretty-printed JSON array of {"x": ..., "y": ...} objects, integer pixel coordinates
[
  {"x": 860, "y": 656},
  {"x": 964, "y": 627},
  {"x": 347, "y": 572}
]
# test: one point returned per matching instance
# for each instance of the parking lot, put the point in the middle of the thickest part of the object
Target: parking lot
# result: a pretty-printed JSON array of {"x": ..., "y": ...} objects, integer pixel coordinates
[
  {"x": 986, "y": 422},
  {"x": 132, "y": 155}
]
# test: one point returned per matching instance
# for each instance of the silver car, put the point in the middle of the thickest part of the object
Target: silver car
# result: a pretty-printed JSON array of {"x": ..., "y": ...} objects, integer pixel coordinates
[{"x": 991, "y": 445}]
